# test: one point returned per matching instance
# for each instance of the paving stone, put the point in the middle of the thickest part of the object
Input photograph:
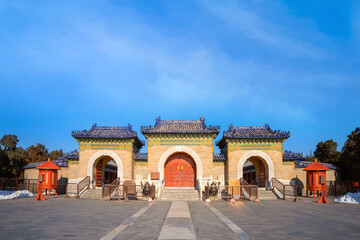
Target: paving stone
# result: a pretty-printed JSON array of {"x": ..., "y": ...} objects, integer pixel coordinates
[
  {"x": 289, "y": 220},
  {"x": 207, "y": 225},
  {"x": 60, "y": 218},
  {"x": 148, "y": 225}
]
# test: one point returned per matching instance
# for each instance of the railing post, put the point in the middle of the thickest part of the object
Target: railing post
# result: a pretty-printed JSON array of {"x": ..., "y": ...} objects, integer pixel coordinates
[
  {"x": 77, "y": 191},
  {"x": 284, "y": 192},
  {"x": 257, "y": 195},
  {"x": 296, "y": 193}
]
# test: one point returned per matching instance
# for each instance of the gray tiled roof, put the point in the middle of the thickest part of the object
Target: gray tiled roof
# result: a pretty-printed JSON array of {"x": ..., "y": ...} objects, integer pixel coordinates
[
  {"x": 180, "y": 126},
  {"x": 61, "y": 162},
  {"x": 72, "y": 155},
  {"x": 218, "y": 156},
  {"x": 304, "y": 164},
  {"x": 107, "y": 132},
  {"x": 141, "y": 156},
  {"x": 288, "y": 155},
  {"x": 254, "y": 132}
]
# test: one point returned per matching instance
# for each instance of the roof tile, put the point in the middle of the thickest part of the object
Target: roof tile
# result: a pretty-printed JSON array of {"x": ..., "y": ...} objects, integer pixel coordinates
[{"x": 180, "y": 126}]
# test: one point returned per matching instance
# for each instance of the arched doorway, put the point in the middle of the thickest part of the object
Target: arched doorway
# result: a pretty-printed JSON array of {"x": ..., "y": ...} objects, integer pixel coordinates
[
  {"x": 255, "y": 171},
  {"x": 180, "y": 171},
  {"x": 97, "y": 156},
  {"x": 261, "y": 156},
  {"x": 105, "y": 171}
]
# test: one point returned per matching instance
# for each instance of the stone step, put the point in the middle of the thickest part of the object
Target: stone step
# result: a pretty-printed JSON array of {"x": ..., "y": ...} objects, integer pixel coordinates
[
  {"x": 179, "y": 194},
  {"x": 266, "y": 195},
  {"x": 93, "y": 194}
]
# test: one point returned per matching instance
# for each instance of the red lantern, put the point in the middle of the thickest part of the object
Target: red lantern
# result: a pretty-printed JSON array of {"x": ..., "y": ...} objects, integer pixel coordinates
[
  {"x": 316, "y": 180},
  {"x": 47, "y": 178}
]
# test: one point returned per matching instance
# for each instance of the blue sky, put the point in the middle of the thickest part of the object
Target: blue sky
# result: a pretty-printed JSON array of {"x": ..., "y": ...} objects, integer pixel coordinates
[{"x": 65, "y": 65}]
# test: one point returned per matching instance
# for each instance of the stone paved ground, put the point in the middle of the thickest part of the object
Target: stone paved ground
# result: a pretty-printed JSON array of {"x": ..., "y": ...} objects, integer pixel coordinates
[
  {"x": 60, "y": 218},
  {"x": 207, "y": 225},
  {"x": 288, "y": 220},
  {"x": 148, "y": 225}
]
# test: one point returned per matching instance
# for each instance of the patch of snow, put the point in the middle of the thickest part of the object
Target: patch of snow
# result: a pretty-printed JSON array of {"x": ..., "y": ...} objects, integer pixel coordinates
[
  {"x": 352, "y": 198},
  {"x": 12, "y": 194}
]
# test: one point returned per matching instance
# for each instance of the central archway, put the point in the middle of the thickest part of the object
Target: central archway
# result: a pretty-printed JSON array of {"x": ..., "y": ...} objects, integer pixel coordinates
[
  {"x": 180, "y": 171},
  {"x": 182, "y": 149}
]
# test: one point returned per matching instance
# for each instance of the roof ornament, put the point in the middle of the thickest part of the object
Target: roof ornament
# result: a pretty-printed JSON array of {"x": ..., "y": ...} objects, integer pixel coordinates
[
  {"x": 267, "y": 125},
  {"x": 94, "y": 125},
  {"x": 231, "y": 126},
  {"x": 157, "y": 120},
  {"x": 130, "y": 127},
  {"x": 202, "y": 119}
]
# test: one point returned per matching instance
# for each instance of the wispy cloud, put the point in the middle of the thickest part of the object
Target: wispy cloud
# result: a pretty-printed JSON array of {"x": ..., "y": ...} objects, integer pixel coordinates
[{"x": 254, "y": 26}]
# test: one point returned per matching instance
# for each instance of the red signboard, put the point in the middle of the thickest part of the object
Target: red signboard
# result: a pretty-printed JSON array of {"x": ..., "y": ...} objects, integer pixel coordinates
[{"x": 155, "y": 175}]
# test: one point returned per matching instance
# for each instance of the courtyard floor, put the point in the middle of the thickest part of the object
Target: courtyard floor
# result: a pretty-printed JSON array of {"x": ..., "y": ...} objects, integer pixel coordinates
[{"x": 61, "y": 218}]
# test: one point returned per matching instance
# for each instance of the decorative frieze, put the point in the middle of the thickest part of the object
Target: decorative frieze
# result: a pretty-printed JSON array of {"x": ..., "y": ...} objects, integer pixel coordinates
[
  {"x": 141, "y": 163},
  {"x": 186, "y": 139},
  {"x": 108, "y": 144},
  {"x": 218, "y": 163},
  {"x": 254, "y": 145},
  {"x": 73, "y": 161}
]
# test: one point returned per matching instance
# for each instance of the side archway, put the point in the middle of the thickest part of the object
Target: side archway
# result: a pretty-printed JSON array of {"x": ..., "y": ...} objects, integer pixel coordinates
[
  {"x": 183, "y": 149},
  {"x": 255, "y": 153},
  {"x": 103, "y": 153}
]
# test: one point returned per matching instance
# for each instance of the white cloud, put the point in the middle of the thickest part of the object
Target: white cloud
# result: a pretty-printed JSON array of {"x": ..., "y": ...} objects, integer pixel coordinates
[{"x": 265, "y": 31}]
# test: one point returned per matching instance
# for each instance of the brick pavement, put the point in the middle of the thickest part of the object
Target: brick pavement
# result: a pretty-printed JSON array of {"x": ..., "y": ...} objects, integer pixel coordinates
[
  {"x": 60, "y": 218},
  {"x": 288, "y": 220}
]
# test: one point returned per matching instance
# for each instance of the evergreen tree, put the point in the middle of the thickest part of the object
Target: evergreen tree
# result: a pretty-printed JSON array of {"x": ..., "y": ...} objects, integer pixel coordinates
[
  {"x": 9, "y": 142},
  {"x": 349, "y": 160},
  {"x": 36, "y": 153},
  {"x": 54, "y": 155},
  {"x": 327, "y": 151}
]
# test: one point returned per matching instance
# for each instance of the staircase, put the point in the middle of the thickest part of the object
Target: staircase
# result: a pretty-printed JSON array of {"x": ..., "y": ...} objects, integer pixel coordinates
[
  {"x": 93, "y": 194},
  {"x": 179, "y": 194},
  {"x": 266, "y": 194}
]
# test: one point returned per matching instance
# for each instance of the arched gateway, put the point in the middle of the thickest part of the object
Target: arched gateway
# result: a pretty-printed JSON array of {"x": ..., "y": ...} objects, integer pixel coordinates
[
  {"x": 180, "y": 171},
  {"x": 97, "y": 163},
  {"x": 262, "y": 161}
]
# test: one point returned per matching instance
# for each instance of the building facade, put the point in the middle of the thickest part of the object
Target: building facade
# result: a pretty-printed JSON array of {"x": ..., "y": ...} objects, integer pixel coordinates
[{"x": 180, "y": 154}]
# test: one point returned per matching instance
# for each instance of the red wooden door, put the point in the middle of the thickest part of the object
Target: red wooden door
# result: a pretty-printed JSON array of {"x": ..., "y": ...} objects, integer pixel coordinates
[
  {"x": 99, "y": 173},
  {"x": 180, "y": 171},
  {"x": 261, "y": 174}
]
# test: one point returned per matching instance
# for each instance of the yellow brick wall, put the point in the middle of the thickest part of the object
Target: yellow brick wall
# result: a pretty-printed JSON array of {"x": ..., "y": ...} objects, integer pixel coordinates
[{"x": 32, "y": 173}]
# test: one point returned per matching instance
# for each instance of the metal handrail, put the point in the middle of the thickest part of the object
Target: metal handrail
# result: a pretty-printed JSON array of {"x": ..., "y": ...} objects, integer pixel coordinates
[
  {"x": 80, "y": 186},
  {"x": 275, "y": 183},
  {"x": 247, "y": 189},
  {"x": 110, "y": 189},
  {"x": 85, "y": 183},
  {"x": 243, "y": 182}
]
